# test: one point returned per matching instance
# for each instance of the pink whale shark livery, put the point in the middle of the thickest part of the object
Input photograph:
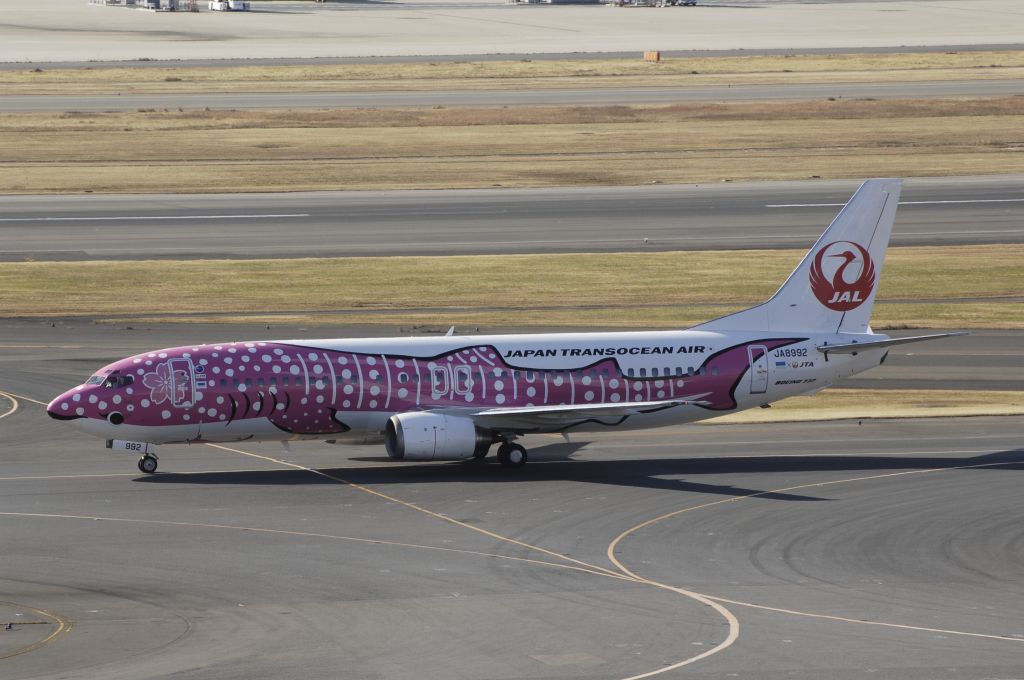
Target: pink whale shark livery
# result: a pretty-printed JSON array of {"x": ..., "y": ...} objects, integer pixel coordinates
[{"x": 453, "y": 398}]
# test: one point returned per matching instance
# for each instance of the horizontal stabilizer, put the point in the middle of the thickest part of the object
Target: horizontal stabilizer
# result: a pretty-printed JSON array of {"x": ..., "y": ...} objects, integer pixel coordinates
[{"x": 854, "y": 347}]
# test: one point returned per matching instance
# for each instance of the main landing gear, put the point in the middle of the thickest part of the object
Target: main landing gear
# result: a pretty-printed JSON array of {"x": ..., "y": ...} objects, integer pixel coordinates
[
  {"x": 148, "y": 464},
  {"x": 512, "y": 455}
]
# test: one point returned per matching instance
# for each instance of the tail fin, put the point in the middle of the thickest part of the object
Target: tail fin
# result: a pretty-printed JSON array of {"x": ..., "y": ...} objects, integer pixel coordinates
[{"x": 833, "y": 288}]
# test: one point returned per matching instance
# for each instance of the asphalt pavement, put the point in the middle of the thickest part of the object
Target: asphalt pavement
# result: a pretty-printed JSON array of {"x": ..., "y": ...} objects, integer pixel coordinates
[
  {"x": 889, "y": 547},
  {"x": 939, "y": 211}
]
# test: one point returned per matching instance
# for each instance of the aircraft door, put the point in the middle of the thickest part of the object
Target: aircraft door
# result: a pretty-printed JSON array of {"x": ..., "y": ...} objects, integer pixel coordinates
[
  {"x": 758, "y": 355},
  {"x": 183, "y": 383},
  {"x": 440, "y": 382}
]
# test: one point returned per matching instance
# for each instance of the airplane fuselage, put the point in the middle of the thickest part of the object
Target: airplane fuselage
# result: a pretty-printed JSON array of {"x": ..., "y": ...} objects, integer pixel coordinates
[{"x": 346, "y": 390}]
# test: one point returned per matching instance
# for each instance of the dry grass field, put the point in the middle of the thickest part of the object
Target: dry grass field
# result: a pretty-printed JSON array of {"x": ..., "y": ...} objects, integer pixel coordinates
[
  {"x": 521, "y": 73},
  {"x": 961, "y": 286},
  {"x": 196, "y": 151}
]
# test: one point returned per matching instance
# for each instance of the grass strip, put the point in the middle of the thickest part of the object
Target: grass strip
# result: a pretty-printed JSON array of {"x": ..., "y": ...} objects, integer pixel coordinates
[
  {"x": 157, "y": 151},
  {"x": 520, "y": 73},
  {"x": 959, "y": 286},
  {"x": 845, "y": 404}
]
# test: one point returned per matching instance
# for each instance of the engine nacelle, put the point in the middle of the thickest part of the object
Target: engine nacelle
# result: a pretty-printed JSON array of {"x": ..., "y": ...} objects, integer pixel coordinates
[{"x": 432, "y": 436}]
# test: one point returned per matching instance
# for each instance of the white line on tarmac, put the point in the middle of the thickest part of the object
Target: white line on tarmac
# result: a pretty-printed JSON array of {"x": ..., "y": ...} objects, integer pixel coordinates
[
  {"x": 149, "y": 217},
  {"x": 950, "y": 202}
]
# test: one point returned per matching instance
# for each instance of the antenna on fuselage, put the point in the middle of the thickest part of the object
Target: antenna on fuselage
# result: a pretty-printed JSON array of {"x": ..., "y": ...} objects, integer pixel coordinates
[{"x": 451, "y": 332}]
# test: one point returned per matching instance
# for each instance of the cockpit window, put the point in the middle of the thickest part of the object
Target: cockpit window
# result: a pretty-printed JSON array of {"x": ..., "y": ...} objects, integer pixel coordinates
[
  {"x": 112, "y": 381},
  {"x": 95, "y": 380}
]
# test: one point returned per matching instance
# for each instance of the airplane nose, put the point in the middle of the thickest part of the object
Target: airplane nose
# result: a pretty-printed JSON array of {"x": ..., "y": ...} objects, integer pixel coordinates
[{"x": 65, "y": 408}]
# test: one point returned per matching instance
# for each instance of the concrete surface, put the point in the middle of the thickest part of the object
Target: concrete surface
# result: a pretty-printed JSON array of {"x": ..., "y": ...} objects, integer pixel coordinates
[{"x": 71, "y": 30}]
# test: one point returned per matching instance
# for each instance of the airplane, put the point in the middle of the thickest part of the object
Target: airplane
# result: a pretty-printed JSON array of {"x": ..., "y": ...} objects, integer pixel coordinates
[{"x": 454, "y": 397}]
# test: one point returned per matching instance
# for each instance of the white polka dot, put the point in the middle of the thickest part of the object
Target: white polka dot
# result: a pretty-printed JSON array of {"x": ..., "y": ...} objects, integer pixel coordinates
[
  {"x": 586, "y": 380},
  {"x": 615, "y": 397},
  {"x": 500, "y": 399},
  {"x": 346, "y": 403},
  {"x": 342, "y": 360},
  {"x": 318, "y": 369},
  {"x": 588, "y": 395},
  {"x": 638, "y": 398},
  {"x": 294, "y": 370},
  {"x": 165, "y": 414},
  {"x": 144, "y": 403},
  {"x": 319, "y": 398},
  {"x": 220, "y": 400},
  {"x": 216, "y": 369},
  {"x": 202, "y": 409},
  {"x": 399, "y": 363},
  {"x": 370, "y": 361},
  {"x": 265, "y": 358},
  {"x": 348, "y": 389},
  {"x": 403, "y": 393},
  {"x": 229, "y": 372},
  {"x": 80, "y": 411},
  {"x": 311, "y": 356},
  {"x": 93, "y": 398},
  {"x": 661, "y": 394},
  {"x": 286, "y": 359},
  {"x": 64, "y": 406},
  {"x": 76, "y": 397},
  {"x": 140, "y": 371},
  {"x": 186, "y": 417},
  {"x": 499, "y": 385},
  {"x": 638, "y": 386},
  {"x": 116, "y": 399},
  {"x": 130, "y": 408},
  {"x": 659, "y": 383},
  {"x": 228, "y": 360},
  {"x": 375, "y": 390},
  {"x": 275, "y": 368},
  {"x": 373, "y": 403},
  {"x": 469, "y": 397},
  {"x": 558, "y": 380},
  {"x": 129, "y": 391},
  {"x": 613, "y": 383},
  {"x": 304, "y": 401},
  {"x": 280, "y": 407},
  {"x": 218, "y": 347},
  {"x": 346, "y": 374},
  {"x": 242, "y": 387},
  {"x": 102, "y": 405},
  {"x": 223, "y": 417},
  {"x": 374, "y": 375},
  {"x": 531, "y": 392}
]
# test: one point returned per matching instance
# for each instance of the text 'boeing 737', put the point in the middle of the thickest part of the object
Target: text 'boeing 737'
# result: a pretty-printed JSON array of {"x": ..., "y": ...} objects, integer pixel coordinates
[{"x": 453, "y": 398}]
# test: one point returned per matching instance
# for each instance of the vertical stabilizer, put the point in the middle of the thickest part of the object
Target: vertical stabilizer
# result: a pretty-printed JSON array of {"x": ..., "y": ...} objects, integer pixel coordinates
[{"x": 833, "y": 288}]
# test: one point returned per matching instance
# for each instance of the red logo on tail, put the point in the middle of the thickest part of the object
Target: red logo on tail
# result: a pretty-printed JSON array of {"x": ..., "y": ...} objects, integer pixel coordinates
[{"x": 842, "y": 276}]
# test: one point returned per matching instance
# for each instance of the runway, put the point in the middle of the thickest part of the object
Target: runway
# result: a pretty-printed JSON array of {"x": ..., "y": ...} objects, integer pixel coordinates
[
  {"x": 598, "y": 96},
  {"x": 939, "y": 211},
  {"x": 720, "y": 551}
]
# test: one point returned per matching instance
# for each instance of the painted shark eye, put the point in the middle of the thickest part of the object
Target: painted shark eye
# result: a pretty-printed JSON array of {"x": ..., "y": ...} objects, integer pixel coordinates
[{"x": 115, "y": 418}]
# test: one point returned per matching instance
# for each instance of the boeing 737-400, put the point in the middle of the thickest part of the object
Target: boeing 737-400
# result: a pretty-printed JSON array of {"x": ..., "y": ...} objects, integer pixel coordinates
[{"x": 454, "y": 397}]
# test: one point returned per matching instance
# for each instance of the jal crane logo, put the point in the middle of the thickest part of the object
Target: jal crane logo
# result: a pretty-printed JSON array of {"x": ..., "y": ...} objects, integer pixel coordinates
[{"x": 842, "y": 275}]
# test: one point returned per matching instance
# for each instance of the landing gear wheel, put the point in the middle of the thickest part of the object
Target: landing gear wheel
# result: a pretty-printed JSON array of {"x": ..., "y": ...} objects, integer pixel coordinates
[
  {"x": 147, "y": 464},
  {"x": 512, "y": 455}
]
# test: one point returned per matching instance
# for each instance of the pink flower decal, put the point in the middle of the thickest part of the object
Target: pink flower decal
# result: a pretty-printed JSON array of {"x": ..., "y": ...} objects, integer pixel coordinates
[{"x": 165, "y": 386}]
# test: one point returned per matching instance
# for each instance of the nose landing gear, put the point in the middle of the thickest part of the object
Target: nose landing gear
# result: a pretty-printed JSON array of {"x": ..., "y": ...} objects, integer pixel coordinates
[{"x": 148, "y": 464}]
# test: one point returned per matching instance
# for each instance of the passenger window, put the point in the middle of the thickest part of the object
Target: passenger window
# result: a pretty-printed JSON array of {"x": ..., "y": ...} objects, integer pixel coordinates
[
  {"x": 689, "y": 371},
  {"x": 403, "y": 378},
  {"x": 643, "y": 372},
  {"x": 679, "y": 370},
  {"x": 714, "y": 371},
  {"x": 654, "y": 372},
  {"x": 630, "y": 372}
]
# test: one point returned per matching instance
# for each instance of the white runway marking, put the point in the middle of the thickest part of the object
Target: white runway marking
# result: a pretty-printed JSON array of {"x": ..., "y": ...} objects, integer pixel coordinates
[
  {"x": 151, "y": 217},
  {"x": 949, "y": 202}
]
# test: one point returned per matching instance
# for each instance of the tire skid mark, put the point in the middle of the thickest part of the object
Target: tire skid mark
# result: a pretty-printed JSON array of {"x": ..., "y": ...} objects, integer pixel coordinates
[{"x": 792, "y": 612}]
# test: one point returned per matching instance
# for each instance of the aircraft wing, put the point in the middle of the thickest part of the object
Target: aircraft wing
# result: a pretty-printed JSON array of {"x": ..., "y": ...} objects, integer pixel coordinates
[
  {"x": 854, "y": 347},
  {"x": 566, "y": 415}
]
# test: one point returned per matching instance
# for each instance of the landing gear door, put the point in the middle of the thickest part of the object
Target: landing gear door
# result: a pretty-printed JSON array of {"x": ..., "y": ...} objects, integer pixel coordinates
[
  {"x": 758, "y": 355},
  {"x": 183, "y": 383}
]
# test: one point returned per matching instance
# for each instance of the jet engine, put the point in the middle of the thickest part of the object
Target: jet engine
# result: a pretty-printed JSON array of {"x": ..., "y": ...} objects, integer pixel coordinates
[{"x": 432, "y": 436}]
